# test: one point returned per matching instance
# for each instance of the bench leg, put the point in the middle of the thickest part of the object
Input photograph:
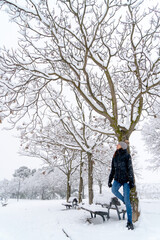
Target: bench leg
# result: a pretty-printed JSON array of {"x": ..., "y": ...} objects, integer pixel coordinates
[
  {"x": 108, "y": 213},
  {"x": 118, "y": 213},
  {"x": 103, "y": 218},
  {"x": 124, "y": 212},
  {"x": 68, "y": 207},
  {"x": 95, "y": 214}
]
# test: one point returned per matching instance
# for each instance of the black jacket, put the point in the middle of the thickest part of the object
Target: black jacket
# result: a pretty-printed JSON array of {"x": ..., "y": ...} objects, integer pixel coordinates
[{"x": 122, "y": 170}]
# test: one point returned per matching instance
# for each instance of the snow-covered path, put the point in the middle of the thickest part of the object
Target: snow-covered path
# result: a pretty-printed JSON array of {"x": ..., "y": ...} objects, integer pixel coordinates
[{"x": 48, "y": 220}]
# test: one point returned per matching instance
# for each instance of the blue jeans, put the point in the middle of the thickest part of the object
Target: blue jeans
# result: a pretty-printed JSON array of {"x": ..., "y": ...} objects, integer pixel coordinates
[{"x": 124, "y": 198}]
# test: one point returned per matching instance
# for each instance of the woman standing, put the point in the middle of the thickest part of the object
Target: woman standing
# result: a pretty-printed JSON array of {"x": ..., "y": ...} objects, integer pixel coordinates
[{"x": 122, "y": 173}]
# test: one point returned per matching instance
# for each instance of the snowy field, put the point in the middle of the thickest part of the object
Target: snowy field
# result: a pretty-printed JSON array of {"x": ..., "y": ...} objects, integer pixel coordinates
[{"x": 49, "y": 220}]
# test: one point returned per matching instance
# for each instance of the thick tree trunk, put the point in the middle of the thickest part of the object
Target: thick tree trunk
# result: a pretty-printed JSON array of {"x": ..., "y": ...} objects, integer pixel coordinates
[
  {"x": 80, "y": 182},
  {"x": 80, "y": 190},
  {"x": 135, "y": 204},
  {"x": 68, "y": 187},
  {"x": 133, "y": 195},
  {"x": 100, "y": 186},
  {"x": 90, "y": 178}
]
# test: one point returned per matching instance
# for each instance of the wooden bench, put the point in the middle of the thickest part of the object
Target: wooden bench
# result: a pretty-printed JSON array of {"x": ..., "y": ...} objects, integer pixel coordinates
[
  {"x": 67, "y": 205},
  {"x": 94, "y": 213},
  {"x": 72, "y": 203},
  {"x": 114, "y": 205},
  {"x": 4, "y": 204}
]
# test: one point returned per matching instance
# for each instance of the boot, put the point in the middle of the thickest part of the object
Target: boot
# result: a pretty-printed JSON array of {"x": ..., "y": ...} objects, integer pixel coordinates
[{"x": 130, "y": 226}]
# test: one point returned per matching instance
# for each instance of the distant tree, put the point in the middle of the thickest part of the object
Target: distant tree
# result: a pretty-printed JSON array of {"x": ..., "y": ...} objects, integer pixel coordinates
[
  {"x": 4, "y": 190},
  {"x": 102, "y": 164},
  {"x": 151, "y": 137},
  {"x": 20, "y": 174},
  {"x": 41, "y": 185},
  {"x": 50, "y": 144},
  {"x": 68, "y": 166}
]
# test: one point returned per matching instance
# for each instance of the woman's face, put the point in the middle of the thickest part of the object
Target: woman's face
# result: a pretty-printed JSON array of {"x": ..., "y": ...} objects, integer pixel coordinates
[{"x": 118, "y": 146}]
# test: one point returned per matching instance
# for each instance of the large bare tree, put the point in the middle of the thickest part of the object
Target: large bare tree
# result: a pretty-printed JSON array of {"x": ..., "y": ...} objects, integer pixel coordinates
[{"x": 107, "y": 51}]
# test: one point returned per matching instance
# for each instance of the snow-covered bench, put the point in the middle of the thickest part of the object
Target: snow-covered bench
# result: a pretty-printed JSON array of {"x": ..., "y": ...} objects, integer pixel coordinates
[
  {"x": 109, "y": 201},
  {"x": 72, "y": 203},
  {"x": 4, "y": 204},
  {"x": 114, "y": 205},
  {"x": 96, "y": 210},
  {"x": 99, "y": 209}
]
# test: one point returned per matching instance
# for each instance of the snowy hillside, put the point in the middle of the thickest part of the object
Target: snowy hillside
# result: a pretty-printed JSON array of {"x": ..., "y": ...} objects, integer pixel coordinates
[{"x": 49, "y": 220}]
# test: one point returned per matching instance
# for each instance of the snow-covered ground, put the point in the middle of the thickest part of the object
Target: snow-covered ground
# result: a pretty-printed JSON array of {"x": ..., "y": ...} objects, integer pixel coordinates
[{"x": 49, "y": 220}]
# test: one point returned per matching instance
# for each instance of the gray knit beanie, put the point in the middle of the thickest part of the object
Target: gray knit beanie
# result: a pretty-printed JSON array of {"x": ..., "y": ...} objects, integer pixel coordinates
[{"x": 123, "y": 145}]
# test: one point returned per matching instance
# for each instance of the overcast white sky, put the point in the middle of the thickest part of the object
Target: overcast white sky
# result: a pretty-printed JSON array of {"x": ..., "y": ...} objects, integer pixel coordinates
[
  {"x": 9, "y": 145},
  {"x": 10, "y": 159}
]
